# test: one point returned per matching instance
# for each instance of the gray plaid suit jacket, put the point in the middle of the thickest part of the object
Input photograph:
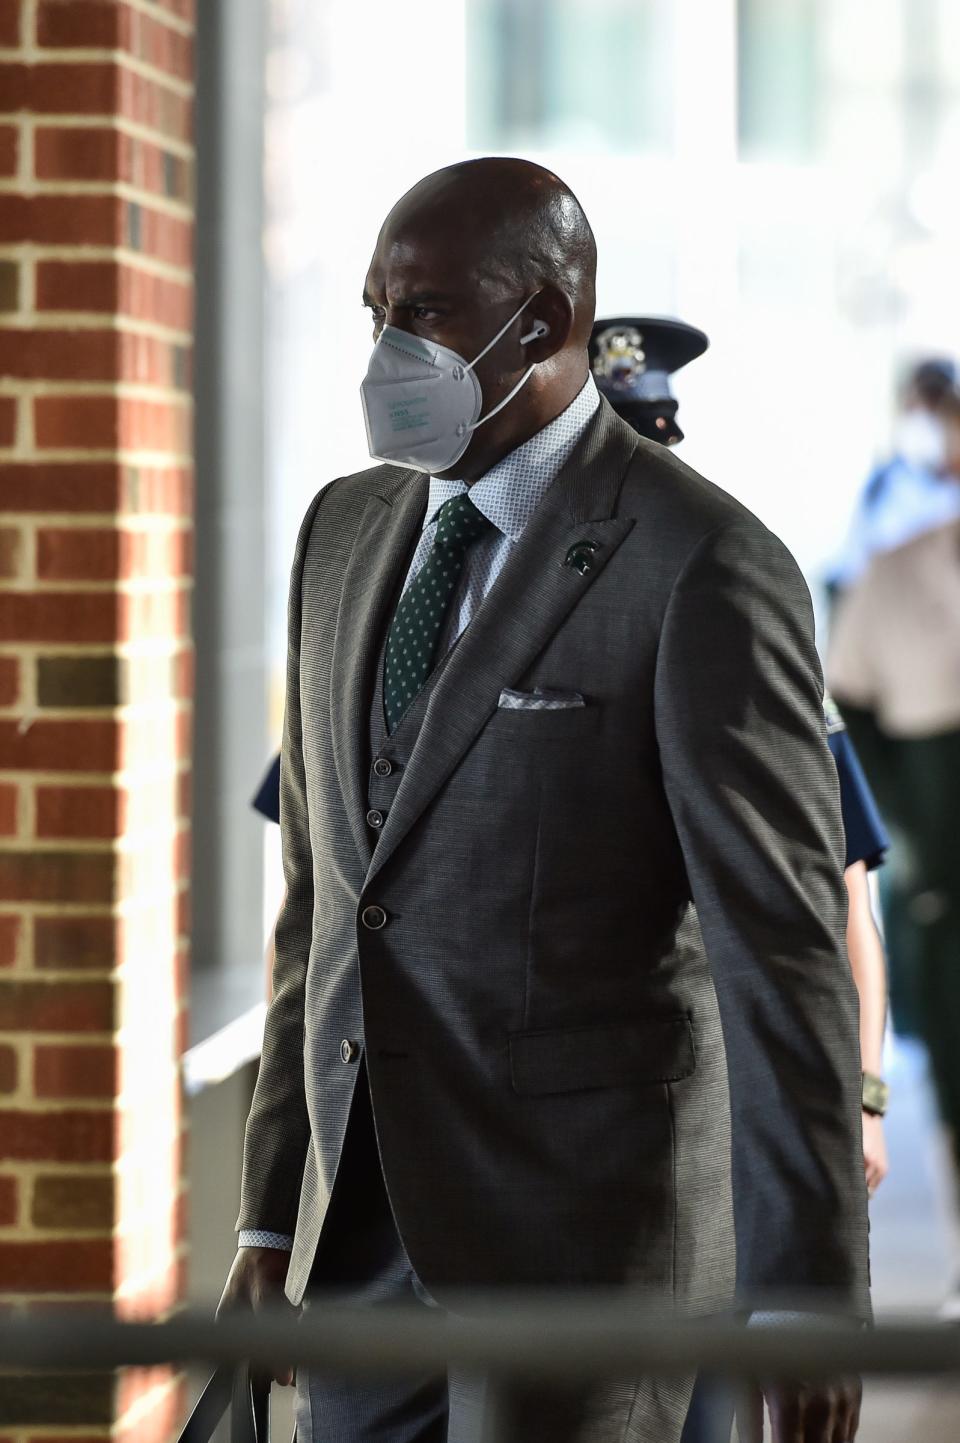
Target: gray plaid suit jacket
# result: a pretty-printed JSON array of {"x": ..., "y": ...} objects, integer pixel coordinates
[{"x": 576, "y": 900}]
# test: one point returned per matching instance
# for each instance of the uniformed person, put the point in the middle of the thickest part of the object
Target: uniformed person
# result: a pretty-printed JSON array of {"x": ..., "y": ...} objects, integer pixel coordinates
[
  {"x": 894, "y": 663},
  {"x": 904, "y": 495},
  {"x": 633, "y": 358}
]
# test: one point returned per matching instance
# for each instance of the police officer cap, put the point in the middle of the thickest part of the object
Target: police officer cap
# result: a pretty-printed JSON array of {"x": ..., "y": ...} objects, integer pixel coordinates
[{"x": 633, "y": 358}]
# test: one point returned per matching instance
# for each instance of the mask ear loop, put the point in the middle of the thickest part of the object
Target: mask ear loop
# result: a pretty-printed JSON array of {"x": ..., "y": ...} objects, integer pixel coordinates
[
  {"x": 463, "y": 429},
  {"x": 500, "y": 404}
]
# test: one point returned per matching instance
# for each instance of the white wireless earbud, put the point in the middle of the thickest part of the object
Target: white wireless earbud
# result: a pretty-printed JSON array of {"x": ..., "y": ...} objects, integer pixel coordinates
[{"x": 540, "y": 329}]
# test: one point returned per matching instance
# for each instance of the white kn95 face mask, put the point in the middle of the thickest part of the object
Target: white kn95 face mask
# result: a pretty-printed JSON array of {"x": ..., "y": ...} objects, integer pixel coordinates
[{"x": 422, "y": 401}]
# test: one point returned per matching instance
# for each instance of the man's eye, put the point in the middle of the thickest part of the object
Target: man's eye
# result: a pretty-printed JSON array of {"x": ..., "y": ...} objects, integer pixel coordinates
[{"x": 424, "y": 313}]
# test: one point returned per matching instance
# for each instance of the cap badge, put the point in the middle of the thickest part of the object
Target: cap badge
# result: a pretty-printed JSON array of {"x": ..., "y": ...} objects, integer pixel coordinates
[{"x": 620, "y": 356}]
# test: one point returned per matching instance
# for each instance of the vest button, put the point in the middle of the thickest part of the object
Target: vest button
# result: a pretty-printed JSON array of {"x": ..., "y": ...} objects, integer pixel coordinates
[
  {"x": 382, "y": 767},
  {"x": 349, "y": 1050},
  {"x": 373, "y": 918},
  {"x": 374, "y": 818}
]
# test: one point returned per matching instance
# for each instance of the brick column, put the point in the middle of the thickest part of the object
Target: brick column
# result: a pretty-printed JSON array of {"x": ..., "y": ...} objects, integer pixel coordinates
[{"x": 95, "y": 678}]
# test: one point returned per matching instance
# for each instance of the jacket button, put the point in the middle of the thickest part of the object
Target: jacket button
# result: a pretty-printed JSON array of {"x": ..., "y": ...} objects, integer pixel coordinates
[
  {"x": 349, "y": 1050},
  {"x": 374, "y": 818},
  {"x": 373, "y": 918},
  {"x": 382, "y": 767}
]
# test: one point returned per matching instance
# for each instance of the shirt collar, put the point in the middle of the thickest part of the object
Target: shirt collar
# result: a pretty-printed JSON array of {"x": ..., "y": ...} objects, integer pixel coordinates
[{"x": 510, "y": 492}]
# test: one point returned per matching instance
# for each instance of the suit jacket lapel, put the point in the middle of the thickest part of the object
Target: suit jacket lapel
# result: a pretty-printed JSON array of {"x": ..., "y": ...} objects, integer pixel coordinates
[
  {"x": 533, "y": 594},
  {"x": 381, "y": 552}
]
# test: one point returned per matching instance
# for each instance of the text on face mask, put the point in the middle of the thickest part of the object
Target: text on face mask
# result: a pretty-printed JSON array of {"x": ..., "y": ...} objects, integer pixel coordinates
[{"x": 404, "y": 418}]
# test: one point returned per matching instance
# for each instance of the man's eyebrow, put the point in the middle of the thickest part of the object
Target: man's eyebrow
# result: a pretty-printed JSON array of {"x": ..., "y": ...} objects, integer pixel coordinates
[{"x": 420, "y": 298}]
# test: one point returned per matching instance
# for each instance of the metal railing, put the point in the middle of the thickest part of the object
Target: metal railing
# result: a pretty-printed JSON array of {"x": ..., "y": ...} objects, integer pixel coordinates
[
  {"x": 550, "y": 1338},
  {"x": 557, "y": 1336}
]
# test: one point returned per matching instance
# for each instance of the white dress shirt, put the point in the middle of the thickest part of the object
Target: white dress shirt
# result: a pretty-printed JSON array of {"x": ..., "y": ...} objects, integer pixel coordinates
[{"x": 507, "y": 495}]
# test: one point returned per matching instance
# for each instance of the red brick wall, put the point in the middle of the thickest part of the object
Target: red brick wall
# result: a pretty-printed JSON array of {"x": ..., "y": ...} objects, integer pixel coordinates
[{"x": 96, "y": 176}]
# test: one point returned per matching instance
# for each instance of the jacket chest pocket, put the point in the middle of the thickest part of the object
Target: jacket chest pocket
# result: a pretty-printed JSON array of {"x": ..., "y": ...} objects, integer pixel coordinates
[{"x": 544, "y": 723}]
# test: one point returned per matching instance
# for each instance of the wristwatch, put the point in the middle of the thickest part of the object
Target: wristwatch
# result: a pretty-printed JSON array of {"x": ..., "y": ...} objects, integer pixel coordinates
[{"x": 874, "y": 1094}]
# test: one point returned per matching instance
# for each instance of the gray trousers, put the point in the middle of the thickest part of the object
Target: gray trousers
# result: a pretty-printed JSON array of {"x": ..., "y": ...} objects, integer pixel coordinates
[{"x": 361, "y": 1257}]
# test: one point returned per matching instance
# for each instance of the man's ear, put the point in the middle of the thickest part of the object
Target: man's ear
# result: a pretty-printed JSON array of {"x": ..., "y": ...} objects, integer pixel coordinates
[{"x": 546, "y": 325}]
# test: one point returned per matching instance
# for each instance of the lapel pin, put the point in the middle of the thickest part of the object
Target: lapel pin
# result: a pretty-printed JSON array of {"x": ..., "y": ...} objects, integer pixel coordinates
[{"x": 579, "y": 556}]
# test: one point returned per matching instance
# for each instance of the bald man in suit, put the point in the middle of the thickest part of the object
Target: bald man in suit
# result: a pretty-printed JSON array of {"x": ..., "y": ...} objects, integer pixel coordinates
[{"x": 535, "y": 878}]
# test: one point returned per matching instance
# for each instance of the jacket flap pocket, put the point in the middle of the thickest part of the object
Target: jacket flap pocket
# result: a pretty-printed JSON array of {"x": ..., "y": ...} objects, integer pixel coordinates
[{"x": 575, "y": 1059}]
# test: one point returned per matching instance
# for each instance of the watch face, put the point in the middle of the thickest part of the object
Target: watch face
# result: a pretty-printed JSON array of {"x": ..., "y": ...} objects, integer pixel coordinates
[{"x": 874, "y": 1095}]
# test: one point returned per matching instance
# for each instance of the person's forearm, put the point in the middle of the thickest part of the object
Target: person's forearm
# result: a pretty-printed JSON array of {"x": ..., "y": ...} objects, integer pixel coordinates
[
  {"x": 867, "y": 965},
  {"x": 270, "y": 955}
]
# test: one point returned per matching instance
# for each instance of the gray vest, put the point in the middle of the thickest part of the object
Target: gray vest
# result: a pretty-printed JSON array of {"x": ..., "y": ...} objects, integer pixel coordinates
[{"x": 389, "y": 755}]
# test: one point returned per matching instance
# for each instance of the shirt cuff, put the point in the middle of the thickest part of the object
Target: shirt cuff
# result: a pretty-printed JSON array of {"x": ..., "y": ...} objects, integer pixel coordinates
[{"x": 258, "y": 1238}]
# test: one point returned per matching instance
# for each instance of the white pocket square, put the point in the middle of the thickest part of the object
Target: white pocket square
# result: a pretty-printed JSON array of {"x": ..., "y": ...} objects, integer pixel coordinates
[{"x": 541, "y": 699}]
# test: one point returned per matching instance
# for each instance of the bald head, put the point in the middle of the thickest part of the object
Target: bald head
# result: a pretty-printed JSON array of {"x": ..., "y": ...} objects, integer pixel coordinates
[{"x": 515, "y": 224}]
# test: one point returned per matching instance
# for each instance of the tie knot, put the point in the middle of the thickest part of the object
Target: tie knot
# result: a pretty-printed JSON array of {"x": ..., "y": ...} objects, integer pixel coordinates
[{"x": 460, "y": 523}]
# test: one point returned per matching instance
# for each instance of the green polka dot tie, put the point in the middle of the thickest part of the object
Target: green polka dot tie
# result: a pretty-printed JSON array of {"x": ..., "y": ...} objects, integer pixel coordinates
[{"x": 416, "y": 627}]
